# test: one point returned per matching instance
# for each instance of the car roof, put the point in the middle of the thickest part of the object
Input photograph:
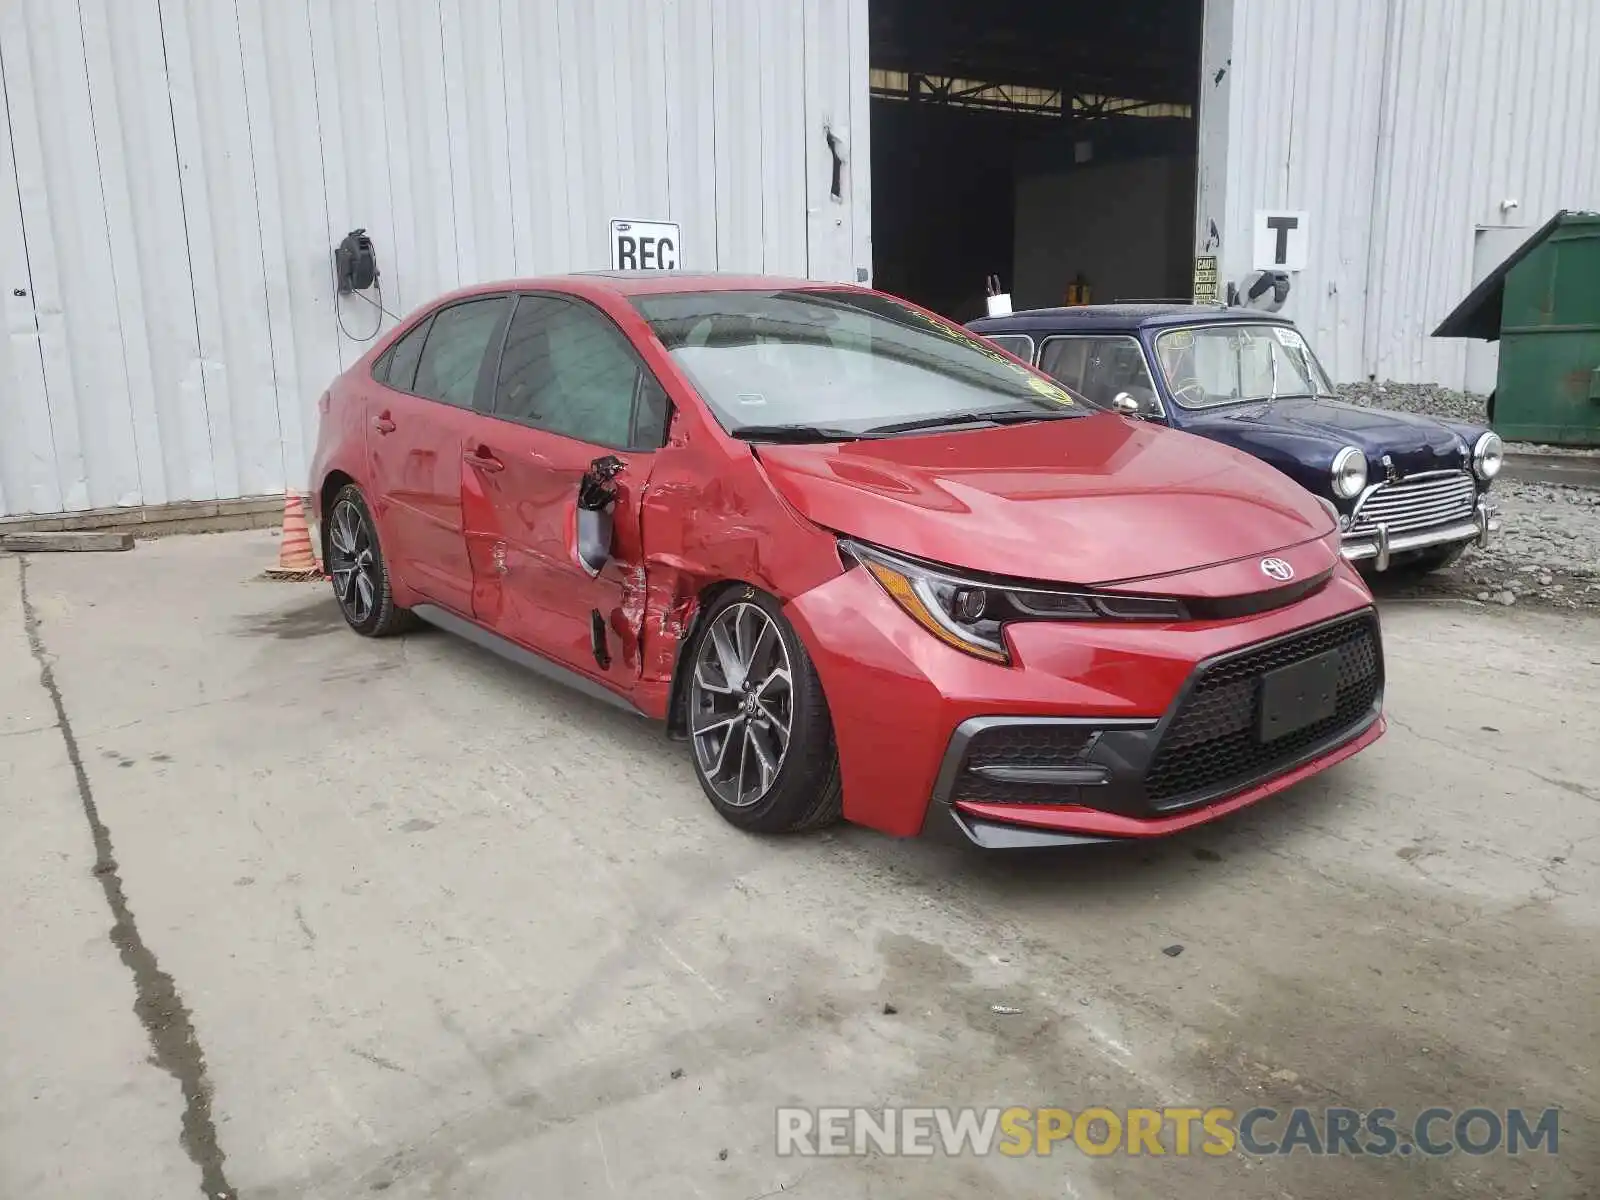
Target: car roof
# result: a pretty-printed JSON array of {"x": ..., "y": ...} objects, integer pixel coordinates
[
  {"x": 646, "y": 283},
  {"x": 1118, "y": 317}
]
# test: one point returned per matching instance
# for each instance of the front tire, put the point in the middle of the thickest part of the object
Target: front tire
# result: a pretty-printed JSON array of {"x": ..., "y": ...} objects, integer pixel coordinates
[
  {"x": 759, "y": 727},
  {"x": 356, "y": 565}
]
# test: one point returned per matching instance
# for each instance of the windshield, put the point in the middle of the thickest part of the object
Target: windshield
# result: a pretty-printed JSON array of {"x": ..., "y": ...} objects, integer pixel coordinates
[
  {"x": 842, "y": 362},
  {"x": 1229, "y": 364}
]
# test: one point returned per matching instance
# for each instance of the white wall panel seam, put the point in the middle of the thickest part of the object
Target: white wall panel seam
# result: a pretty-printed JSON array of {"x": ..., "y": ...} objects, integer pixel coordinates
[
  {"x": 1441, "y": 110},
  {"x": 211, "y": 353},
  {"x": 181, "y": 170},
  {"x": 269, "y": 236},
  {"x": 858, "y": 77},
  {"x": 26, "y": 92},
  {"x": 326, "y": 130},
  {"x": 32, "y": 455},
  {"x": 196, "y": 451},
  {"x": 505, "y": 116},
  {"x": 117, "y": 207}
]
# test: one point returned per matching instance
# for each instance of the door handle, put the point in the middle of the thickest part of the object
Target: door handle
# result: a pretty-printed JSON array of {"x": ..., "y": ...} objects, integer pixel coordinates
[
  {"x": 484, "y": 459},
  {"x": 383, "y": 423}
]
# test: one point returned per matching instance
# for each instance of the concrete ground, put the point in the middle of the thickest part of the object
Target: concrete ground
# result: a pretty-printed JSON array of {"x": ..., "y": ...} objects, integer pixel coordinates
[{"x": 294, "y": 914}]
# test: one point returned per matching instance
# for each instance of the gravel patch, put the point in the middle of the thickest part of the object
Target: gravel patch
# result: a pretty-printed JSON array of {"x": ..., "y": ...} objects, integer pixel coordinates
[
  {"x": 1547, "y": 553},
  {"x": 1426, "y": 398},
  {"x": 1558, "y": 451},
  {"x": 1430, "y": 400}
]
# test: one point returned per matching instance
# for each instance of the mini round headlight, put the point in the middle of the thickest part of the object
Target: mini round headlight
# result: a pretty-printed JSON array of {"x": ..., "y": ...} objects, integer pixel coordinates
[
  {"x": 1488, "y": 455},
  {"x": 1349, "y": 473}
]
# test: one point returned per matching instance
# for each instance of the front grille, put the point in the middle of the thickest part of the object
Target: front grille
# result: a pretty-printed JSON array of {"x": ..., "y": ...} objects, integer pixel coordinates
[
  {"x": 1418, "y": 503},
  {"x": 1212, "y": 744},
  {"x": 1020, "y": 746}
]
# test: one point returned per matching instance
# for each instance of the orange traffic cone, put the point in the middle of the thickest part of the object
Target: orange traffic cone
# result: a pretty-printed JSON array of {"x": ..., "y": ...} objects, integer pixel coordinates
[{"x": 296, "y": 561}]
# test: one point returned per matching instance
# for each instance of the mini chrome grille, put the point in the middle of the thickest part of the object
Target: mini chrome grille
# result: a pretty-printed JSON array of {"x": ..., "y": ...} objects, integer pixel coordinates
[{"x": 1418, "y": 503}]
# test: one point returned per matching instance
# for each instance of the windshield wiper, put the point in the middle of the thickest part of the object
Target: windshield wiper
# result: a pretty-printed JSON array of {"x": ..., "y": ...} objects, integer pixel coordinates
[
  {"x": 796, "y": 433},
  {"x": 999, "y": 416}
]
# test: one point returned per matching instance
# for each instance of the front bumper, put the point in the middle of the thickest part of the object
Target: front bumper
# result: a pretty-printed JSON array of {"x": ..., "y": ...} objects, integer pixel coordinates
[
  {"x": 902, "y": 702},
  {"x": 1009, "y": 782},
  {"x": 1380, "y": 547}
]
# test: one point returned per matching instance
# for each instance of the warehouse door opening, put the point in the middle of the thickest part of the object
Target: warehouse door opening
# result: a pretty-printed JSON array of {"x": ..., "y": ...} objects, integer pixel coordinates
[{"x": 1051, "y": 145}]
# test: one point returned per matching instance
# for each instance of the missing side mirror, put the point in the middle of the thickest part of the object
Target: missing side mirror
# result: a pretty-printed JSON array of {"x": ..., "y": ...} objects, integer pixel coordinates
[{"x": 597, "y": 495}]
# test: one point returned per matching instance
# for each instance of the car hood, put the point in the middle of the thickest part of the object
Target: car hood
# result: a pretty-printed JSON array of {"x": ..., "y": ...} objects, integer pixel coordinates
[
  {"x": 1319, "y": 429},
  {"x": 1094, "y": 500}
]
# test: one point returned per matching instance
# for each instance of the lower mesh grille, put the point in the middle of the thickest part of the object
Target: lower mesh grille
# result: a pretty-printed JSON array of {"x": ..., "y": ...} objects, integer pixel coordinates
[
  {"x": 1019, "y": 746},
  {"x": 1212, "y": 742}
]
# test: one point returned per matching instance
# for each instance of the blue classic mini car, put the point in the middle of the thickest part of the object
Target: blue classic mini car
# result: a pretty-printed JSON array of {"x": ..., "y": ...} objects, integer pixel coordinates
[{"x": 1408, "y": 491}]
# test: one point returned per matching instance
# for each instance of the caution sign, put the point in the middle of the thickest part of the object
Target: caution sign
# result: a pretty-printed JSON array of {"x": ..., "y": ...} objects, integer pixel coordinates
[{"x": 1205, "y": 279}]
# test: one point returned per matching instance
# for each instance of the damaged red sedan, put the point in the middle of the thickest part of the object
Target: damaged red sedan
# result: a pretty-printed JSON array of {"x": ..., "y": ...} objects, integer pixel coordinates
[{"x": 865, "y": 563}]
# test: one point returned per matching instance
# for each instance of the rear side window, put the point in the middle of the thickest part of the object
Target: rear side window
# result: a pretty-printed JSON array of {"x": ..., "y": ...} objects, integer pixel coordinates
[
  {"x": 1019, "y": 344},
  {"x": 453, "y": 355},
  {"x": 1102, "y": 368},
  {"x": 399, "y": 366},
  {"x": 1064, "y": 358}
]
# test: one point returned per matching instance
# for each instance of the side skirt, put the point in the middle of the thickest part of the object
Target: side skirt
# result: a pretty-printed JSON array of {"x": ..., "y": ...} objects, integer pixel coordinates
[{"x": 523, "y": 657}]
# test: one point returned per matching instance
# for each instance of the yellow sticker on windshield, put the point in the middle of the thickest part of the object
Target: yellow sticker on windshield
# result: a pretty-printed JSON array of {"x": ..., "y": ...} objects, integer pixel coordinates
[
  {"x": 1048, "y": 390},
  {"x": 1179, "y": 339}
]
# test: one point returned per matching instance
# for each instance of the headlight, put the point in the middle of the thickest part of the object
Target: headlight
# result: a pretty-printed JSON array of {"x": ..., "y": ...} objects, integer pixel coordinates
[
  {"x": 1488, "y": 454},
  {"x": 1349, "y": 473},
  {"x": 969, "y": 612}
]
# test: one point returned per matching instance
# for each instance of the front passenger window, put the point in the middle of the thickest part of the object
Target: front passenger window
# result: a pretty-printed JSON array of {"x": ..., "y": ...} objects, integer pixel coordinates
[{"x": 567, "y": 369}]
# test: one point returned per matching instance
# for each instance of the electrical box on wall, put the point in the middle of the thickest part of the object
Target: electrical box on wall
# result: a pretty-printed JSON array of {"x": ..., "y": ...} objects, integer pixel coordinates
[{"x": 355, "y": 262}]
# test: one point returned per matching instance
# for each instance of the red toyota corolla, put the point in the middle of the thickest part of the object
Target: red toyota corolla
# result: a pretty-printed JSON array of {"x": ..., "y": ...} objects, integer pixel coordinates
[{"x": 865, "y": 563}]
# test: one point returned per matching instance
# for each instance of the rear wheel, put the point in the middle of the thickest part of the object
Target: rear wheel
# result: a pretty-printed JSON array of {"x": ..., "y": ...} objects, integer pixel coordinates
[
  {"x": 759, "y": 725},
  {"x": 356, "y": 566}
]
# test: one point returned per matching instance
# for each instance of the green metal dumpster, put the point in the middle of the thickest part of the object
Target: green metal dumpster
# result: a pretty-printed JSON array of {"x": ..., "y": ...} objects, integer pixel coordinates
[{"x": 1542, "y": 304}]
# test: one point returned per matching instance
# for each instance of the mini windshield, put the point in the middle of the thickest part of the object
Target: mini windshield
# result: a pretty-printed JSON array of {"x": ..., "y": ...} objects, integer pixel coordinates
[
  {"x": 1233, "y": 363},
  {"x": 842, "y": 362}
]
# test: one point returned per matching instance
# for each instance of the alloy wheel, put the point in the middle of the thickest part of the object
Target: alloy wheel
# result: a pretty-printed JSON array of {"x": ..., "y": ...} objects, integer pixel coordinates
[
  {"x": 741, "y": 704},
  {"x": 352, "y": 561}
]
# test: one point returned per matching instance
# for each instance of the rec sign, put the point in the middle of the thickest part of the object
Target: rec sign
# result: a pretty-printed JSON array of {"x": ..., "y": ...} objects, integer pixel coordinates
[{"x": 644, "y": 246}]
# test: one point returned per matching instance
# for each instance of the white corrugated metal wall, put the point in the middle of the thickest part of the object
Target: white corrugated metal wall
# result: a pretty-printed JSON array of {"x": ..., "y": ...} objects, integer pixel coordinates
[
  {"x": 174, "y": 174},
  {"x": 1400, "y": 126}
]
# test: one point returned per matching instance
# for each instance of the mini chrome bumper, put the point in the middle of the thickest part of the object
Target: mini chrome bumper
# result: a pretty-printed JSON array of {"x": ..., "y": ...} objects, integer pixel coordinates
[{"x": 1381, "y": 545}]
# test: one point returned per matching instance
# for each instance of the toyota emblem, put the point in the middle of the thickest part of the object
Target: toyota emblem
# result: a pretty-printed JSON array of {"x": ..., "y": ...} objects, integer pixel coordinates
[{"x": 1276, "y": 568}]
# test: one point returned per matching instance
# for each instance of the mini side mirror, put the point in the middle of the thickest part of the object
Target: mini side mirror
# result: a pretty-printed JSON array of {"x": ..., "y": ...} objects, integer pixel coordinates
[{"x": 1126, "y": 405}]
